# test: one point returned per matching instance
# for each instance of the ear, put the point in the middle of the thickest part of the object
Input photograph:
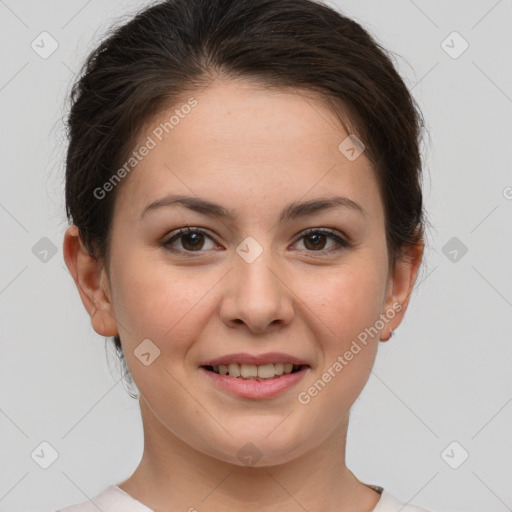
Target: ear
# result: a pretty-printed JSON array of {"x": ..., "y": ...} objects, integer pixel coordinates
[
  {"x": 400, "y": 286},
  {"x": 91, "y": 280}
]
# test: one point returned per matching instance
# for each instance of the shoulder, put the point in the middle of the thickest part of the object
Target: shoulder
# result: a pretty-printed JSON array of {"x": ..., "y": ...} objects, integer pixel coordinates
[
  {"x": 111, "y": 499},
  {"x": 388, "y": 503}
]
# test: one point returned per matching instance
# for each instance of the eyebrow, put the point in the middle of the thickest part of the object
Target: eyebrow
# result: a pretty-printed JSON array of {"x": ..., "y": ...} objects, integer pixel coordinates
[{"x": 292, "y": 211}]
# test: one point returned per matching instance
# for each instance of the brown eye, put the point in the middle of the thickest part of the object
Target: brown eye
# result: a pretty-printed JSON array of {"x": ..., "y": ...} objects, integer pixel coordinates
[
  {"x": 317, "y": 239},
  {"x": 192, "y": 240}
]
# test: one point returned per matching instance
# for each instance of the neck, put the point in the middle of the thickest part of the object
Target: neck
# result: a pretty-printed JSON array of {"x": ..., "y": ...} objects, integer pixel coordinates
[{"x": 172, "y": 475}]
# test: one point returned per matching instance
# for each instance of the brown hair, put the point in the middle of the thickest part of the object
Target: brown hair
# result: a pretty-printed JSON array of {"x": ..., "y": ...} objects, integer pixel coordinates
[{"x": 176, "y": 47}]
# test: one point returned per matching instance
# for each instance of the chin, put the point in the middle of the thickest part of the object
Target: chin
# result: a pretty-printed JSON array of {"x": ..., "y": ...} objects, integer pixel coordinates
[{"x": 259, "y": 450}]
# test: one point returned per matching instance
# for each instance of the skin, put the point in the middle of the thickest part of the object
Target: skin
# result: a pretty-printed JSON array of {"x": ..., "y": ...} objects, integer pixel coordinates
[{"x": 253, "y": 151}]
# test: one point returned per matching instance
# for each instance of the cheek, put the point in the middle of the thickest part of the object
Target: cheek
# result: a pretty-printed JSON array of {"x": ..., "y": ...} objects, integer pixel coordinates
[
  {"x": 351, "y": 300},
  {"x": 349, "y": 306},
  {"x": 159, "y": 303}
]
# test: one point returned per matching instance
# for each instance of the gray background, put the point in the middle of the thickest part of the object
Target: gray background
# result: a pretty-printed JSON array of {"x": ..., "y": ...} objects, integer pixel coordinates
[{"x": 444, "y": 377}]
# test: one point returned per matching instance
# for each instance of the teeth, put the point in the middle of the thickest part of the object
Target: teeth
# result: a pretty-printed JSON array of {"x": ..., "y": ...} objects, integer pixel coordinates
[
  {"x": 265, "y": 371},
  {"x": 234, "y": 370},
  {"x": 248, "y": 370},
  {"x": 278, "y": 368},
  {"x": 255, "y": 372}
]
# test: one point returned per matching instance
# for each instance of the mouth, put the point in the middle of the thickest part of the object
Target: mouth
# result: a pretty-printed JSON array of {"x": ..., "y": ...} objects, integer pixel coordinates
[
  {"x": 256, "y": 382},
  {"x": 271, "y": 371}
]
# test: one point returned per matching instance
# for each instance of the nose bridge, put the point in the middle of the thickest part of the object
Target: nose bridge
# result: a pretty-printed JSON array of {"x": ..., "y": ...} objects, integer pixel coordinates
[{"x": 260, "y": 296}]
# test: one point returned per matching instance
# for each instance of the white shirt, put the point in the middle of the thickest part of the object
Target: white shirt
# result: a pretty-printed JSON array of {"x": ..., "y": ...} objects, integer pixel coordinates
[{"x": 114, "y": 499}]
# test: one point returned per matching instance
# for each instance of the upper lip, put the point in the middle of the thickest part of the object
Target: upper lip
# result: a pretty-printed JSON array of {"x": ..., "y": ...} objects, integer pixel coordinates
[{"x": 259, "y": 359}]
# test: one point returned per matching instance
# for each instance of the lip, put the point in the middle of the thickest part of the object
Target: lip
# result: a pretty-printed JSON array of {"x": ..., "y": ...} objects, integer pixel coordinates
[
  {"x": 256, "y": 389},
  {"x": 259, "y": 359}
]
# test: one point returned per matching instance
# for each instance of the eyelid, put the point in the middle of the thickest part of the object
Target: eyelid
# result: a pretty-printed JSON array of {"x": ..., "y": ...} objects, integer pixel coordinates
[
  {"x": 177, "y": 233},
  {"x": 341, "y": 239}
]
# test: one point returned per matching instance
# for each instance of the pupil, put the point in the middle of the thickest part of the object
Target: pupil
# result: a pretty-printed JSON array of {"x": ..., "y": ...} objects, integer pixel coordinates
[
  {"x": 316, "y": 238},
  {"x": 196, "y": 240}
]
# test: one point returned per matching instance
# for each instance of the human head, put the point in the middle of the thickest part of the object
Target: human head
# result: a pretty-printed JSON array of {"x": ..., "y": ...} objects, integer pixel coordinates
[{"x": 177, "y": 49}]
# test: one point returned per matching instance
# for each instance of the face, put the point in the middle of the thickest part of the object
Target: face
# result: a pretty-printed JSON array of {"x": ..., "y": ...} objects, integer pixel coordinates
[{"x": 188, "y": 285}]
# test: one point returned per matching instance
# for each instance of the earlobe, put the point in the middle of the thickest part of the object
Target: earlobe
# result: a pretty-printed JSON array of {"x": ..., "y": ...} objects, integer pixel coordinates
[
  {"x": 391, "y": 332},
  {"x": 90, "y": 280},
  {"x": 400, "y": 288}
]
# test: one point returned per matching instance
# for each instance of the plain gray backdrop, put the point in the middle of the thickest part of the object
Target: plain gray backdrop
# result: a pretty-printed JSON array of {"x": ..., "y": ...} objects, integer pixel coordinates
[{"x": 433, "y": 425}]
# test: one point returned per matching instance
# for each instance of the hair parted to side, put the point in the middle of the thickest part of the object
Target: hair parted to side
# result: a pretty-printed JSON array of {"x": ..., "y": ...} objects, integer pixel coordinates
[{"x": 174, "y": 48}]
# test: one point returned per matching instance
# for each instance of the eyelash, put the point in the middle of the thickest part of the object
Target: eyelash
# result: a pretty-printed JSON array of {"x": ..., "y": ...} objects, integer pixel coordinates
[{"x": 342, "y": 243}]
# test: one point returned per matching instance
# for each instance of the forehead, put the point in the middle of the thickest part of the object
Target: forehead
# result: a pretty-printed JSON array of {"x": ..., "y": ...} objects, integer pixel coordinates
[{"x": 242, "y": 143}]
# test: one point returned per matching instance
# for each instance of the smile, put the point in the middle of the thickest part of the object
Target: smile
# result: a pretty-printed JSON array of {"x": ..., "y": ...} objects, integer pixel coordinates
[{"x": 253, "y": 386}]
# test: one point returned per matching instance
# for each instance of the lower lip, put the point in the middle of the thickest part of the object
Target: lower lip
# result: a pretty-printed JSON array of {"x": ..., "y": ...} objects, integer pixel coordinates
[{"x": 256, "y": 388}]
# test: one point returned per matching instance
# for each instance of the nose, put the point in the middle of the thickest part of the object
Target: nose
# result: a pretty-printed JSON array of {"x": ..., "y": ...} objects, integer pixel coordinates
[{"x": 257, "y": 294}]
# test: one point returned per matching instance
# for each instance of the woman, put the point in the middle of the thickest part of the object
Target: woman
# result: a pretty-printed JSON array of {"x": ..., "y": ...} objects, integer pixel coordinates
[{"x": 243, "y": 181}]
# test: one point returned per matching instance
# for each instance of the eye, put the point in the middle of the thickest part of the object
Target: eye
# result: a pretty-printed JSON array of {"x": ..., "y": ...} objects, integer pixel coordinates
[
  {"x": 192, "y": 240},
  {"x": 315, "y": 240},
  {"x": 196, "y": 240}
]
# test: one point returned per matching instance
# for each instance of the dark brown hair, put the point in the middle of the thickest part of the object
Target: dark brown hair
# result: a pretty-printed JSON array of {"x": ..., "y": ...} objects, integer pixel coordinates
[{"x": 176, "y": 47}]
